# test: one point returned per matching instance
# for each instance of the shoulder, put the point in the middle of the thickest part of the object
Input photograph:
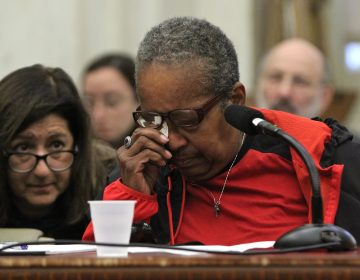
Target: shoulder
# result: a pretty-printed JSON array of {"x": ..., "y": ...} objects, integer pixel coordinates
[
  {"x": 104, "y": 163},
  {"x": 105, "y": 154}
]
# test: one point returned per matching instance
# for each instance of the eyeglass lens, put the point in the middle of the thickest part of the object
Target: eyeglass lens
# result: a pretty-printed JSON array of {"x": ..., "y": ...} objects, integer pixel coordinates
[
  {"x": 148, "y": 119},
  {"x": 180, "y": 117},
  {"x": 57, "y": 161},
  {"x": 184, "y": 117}
]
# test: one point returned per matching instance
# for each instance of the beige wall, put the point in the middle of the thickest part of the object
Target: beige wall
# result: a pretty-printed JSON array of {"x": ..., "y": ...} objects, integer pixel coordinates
[
  {"x": 67, "y": 33},
  {"x": 344, "y": 25}
]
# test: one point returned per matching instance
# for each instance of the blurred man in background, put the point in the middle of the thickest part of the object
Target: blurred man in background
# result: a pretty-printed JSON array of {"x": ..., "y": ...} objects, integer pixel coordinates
[{"x": 294, "y": 77}]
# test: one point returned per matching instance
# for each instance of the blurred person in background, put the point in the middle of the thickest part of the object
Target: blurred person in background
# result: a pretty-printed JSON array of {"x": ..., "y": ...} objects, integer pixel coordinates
[
  {"x": 109, "y": 92},
  {"x": 294, "y": 77},
  {"x": 46, "y": 154}
]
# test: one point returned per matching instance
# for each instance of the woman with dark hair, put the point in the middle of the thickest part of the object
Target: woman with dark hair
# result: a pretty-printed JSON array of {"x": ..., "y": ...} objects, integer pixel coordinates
[
  {"x": 109, "y": 92},
  {"x": 46, "y": 153}
]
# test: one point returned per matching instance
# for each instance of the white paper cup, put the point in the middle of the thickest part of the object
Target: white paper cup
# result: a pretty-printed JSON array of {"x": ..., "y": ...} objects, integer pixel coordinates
[{"x": 112, "y": 220}]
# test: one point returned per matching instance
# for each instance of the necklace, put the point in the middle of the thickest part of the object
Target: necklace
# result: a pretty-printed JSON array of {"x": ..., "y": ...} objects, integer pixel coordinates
[{"x": 217, "y": 202}]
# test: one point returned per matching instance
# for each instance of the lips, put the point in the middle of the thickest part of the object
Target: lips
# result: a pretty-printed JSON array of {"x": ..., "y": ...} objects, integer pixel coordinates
[
  {"x": 41, "y": 187},
  {"x": 102, "y": 129},
  {"x": 184, "y": 162}
]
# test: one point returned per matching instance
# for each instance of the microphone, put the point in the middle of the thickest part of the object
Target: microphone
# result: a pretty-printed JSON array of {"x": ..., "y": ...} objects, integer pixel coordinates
[{"x": 251, "y": 122}]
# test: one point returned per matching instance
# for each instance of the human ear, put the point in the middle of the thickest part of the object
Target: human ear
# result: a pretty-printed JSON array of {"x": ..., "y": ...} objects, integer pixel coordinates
[
  {"x": 238, "y": 94},
  {"x": 327, "y": 98}
]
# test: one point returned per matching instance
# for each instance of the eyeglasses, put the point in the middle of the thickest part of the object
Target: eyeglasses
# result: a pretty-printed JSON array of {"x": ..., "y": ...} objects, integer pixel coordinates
[
  {"x": 26, "y": 162},
  {"x": 180, "y": 117}
]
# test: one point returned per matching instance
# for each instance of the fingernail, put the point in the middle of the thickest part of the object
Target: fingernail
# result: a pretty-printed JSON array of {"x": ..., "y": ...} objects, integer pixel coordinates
[
  {"x": 168, "y": 154},
  {"x": 164, "y": 138}
]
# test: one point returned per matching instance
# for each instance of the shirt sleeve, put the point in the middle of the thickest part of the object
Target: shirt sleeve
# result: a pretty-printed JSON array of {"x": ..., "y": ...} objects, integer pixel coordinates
[{"x": 146, "y": 205}]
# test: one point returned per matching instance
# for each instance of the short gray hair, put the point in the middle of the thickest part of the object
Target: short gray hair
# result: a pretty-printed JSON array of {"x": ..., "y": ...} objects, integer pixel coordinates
[{"x": 182, "y": 40}]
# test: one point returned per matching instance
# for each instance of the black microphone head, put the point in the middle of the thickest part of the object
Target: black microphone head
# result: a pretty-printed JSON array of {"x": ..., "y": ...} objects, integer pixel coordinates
[{"x": 241, "y": 118}]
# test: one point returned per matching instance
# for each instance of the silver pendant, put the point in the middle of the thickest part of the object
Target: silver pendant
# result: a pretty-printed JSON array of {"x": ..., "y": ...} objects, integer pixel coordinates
[{"x": 217, "y": 209}]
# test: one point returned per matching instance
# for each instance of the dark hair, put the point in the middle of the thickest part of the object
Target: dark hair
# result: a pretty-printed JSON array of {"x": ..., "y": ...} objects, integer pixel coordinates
[
  {"x": 123, "y": 63},
  {"x": 28, "y": 95},
  {"x": 183, "y": 40}
]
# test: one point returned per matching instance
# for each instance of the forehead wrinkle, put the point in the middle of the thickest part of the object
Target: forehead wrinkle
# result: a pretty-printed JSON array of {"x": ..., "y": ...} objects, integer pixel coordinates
[{"x": 181, "y": 83}]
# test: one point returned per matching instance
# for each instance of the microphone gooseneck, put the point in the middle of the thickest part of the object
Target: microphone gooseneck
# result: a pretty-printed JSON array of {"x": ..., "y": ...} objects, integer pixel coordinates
[{"x": 251, "y": 122}]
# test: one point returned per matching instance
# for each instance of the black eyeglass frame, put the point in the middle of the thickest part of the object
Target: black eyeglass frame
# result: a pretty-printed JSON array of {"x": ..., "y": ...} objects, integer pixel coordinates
[
  {"x": 7, "y": 154},
  {"x": 200, "y": 112}
]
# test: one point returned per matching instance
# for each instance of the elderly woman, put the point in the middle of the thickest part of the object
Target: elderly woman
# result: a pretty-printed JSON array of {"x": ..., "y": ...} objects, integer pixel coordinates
[
  {"x": 46, "y": 153},
  {"x": 208, "y": 182}
]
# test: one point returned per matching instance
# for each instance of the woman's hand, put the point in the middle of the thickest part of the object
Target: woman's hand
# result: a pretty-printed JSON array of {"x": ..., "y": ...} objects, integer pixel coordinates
[{"x": 140, "y": 163}]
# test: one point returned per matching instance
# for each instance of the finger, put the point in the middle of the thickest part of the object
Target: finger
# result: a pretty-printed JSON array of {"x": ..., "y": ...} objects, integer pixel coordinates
[
  {"x": 144, "y": 143},
  {"x": 140, "y": 172},
  {"x": 136, "y": 163},
  {"x": 147, "y": 138},
  {"x": 150, "y": 133}
]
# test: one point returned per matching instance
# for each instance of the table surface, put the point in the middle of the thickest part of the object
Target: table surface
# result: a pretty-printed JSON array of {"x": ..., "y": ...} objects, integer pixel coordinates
[{"x": 302, "y": 265}]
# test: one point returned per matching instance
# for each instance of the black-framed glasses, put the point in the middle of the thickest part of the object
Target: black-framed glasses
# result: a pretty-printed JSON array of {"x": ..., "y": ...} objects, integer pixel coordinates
[
  {"x": 179, "y": 117},
  {"x": 26, "y": 162}
]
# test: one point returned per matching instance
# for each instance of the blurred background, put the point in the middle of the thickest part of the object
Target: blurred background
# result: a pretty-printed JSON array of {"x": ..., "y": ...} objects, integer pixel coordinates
[{"x": 68, "y": 33}]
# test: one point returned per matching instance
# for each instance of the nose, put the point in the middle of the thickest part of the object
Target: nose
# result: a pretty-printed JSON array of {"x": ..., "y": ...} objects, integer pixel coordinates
[
  {"x": 41, "y": 169},
  {"x": 176, "y": 139},
  {"x": 285, "y": 88},
  {"x": 98, "y": 112}
]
